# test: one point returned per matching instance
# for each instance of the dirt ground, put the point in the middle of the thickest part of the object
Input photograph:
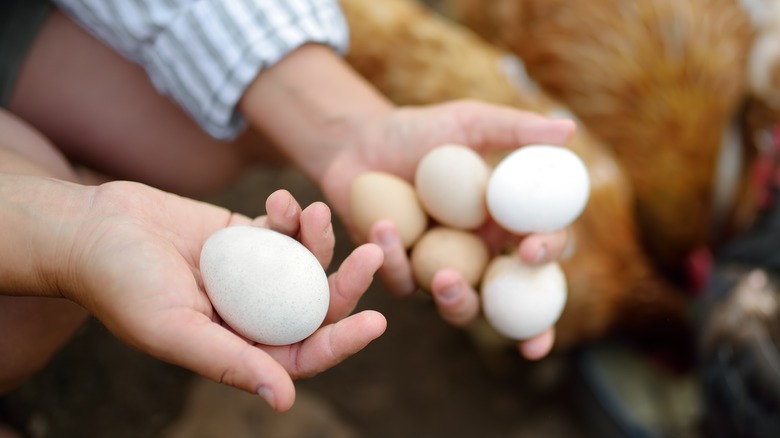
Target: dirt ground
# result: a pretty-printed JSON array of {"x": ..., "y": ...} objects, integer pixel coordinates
[{"x": 423, "y": 378}]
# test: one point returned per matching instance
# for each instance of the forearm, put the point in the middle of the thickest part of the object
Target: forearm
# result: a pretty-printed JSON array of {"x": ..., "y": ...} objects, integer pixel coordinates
[
  {"x": 311, "y": 104},
  {"x": 36, "y": 214}
]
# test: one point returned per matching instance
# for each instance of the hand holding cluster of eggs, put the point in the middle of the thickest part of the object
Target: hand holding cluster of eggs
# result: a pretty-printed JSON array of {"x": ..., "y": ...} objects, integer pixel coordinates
[{"x": 538, "y": 188}]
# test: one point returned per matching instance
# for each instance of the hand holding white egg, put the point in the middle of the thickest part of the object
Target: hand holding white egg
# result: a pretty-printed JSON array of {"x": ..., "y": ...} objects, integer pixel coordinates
[
  {"x": 142, "y": 280},
  {"x": 535, "y": 189},
  {"x": 265, "y": 285},
  {"x": 271, "y": 288}
]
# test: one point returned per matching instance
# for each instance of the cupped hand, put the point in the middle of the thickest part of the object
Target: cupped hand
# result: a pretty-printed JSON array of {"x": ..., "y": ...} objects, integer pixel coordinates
[
  {"x": 396, "y": 142},
  {"x": 135, "y": 267}
]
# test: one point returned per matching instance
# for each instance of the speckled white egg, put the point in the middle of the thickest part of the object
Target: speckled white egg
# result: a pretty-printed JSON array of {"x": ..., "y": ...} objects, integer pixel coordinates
[
  {"x": 538, "y": 188},
  {"x": 521, "y": 301},
  {"x": 265, "y": 285},
  {"x": 450, "y": 181}
]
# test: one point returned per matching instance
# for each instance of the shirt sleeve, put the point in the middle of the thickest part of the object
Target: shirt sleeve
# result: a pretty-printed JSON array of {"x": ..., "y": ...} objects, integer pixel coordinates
[{"x": 205, "y": 53}]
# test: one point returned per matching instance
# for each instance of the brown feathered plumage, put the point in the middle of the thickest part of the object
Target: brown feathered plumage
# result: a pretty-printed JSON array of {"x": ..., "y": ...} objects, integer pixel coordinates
[{"x": 657, "y": 80}]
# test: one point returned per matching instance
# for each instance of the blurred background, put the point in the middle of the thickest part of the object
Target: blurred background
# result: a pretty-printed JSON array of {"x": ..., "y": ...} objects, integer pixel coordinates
[{"x": 671, "y": 325}]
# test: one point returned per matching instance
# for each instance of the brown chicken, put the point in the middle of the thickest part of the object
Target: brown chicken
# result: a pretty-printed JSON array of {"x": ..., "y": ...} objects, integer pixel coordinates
[
  {"x": 658, "y": 80},
  {"x": 415, "y": 56}
]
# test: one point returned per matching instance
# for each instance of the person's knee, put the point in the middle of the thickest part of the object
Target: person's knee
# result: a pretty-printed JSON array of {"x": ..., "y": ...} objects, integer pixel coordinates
[
  {"x": 34, "y": 153},
  {"x": 34, "y": 329}
]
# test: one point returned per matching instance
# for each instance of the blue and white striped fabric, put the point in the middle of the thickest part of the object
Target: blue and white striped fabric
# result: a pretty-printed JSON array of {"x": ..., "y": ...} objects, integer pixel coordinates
[{"x": 205, "y": 53}]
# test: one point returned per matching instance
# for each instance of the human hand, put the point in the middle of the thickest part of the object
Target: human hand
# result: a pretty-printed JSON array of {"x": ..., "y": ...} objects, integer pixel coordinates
[
  {"x": 395, "y": 142},
  {"x": 134, "y": 265},
  {"x": 334, "y": 126}
]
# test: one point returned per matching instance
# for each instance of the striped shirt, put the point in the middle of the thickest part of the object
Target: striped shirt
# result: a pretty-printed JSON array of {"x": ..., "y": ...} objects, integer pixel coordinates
[{"x": 205, "y": 53}]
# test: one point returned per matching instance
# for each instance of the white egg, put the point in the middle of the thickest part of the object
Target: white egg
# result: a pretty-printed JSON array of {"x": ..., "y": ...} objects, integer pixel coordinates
[
  {"x": 538, "y": 188},
  {"x": 265, "y": 285},
  {"x": 521, "y": 301},
  {"x": 450, "y": 181}
]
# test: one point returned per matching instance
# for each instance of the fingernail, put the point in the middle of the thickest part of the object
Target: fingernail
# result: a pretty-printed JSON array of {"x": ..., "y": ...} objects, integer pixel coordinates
[
  {"x": 387, "y": 238},
  {"x": 291, "y": 210},
  {"x": 267, "y": 395},
  {"x": 541, "y": 255},
  {"x": 450, "y": 293}
]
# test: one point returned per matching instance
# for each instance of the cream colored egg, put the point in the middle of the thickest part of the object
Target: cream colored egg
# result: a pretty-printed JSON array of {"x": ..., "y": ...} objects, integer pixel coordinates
[
  {"x": 538, "y": 188},
  {"x": 265, "y": 285},
  {"x": 451, "y": 181},
  {"x": 377, "y": 195},
  {"x": 521, "y": 301},
  {"x": 441, "y": 248}
]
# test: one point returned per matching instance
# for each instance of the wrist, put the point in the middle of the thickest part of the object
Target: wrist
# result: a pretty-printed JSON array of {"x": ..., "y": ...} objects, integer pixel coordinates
[
  {"x": 40, "y": 217},
  {"x": 314, "y": 107}
]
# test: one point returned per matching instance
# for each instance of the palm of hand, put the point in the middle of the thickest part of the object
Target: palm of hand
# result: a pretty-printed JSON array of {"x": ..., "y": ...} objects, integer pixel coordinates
[
  {"x": 396, "y": 142},
  {"x": 139, "y": 254}
]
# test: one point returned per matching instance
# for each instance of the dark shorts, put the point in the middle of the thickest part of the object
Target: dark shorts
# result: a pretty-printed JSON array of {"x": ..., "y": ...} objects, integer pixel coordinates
[{"x": 20, "y": 21}]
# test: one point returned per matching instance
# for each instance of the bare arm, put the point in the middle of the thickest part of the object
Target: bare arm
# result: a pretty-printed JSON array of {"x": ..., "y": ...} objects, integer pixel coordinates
[
  {"x": 334, "y": 125},
  {"x": 128, "y": 253},
  {"x": 315, "y": 107},
  {"x": 37, "y": 213}
]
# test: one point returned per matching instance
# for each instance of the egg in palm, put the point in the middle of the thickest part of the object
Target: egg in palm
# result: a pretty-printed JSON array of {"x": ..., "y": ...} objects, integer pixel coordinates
[{"x": 264, "y": 284}]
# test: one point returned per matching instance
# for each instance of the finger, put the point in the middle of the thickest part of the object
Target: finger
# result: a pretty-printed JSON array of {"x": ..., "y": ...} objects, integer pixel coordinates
[
  {"x": 497, "y": 238},
  {"x": 330, "y": 345},
  {"x": 191, "y": 340},
  {"x": 317, "y": 232},
  {"x": 456, "y": 301},
  {"x": 542, "y": 248},
  {"x": 283, "y": 213},
  {"x": 539, "y": 346},
  {"x": 239, "y": 219},
  {"x": 491, "y": 127},
  {"x": 396, "y": 271},
  {"x": 352, "y": 279}
]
